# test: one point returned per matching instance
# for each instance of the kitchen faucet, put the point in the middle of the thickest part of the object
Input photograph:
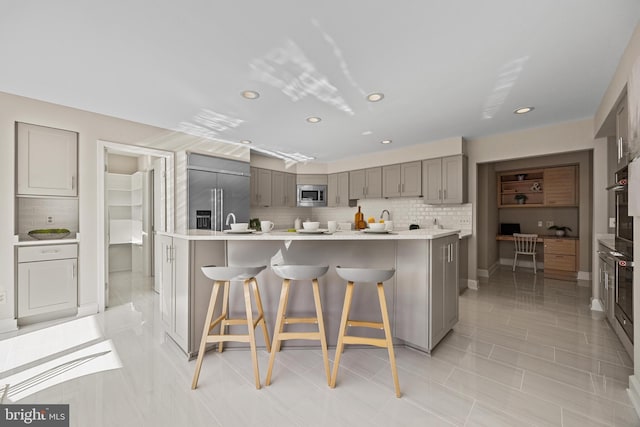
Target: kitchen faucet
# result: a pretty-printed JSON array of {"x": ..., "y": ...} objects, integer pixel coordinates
[
  {"x": 231, "y": 216},
  {"x": 388, "y": 214}
]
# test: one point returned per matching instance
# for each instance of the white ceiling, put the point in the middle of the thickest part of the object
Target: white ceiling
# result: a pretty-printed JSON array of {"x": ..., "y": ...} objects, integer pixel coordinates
[{"x": 447, "y": 68}]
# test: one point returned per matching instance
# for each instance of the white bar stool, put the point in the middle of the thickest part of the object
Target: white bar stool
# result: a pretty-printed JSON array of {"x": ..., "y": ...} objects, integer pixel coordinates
[
  {"x": 298, "y": 272},
  {"x": 223, "y": 276},
  {"x": 365, "y": 275}
]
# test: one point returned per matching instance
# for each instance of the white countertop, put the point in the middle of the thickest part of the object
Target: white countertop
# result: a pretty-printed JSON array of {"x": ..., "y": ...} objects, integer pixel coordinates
[
  {"x": 25, "y": 240},
  {"x": 609, "y": 240},
  {"x": 421, "y": 234}
]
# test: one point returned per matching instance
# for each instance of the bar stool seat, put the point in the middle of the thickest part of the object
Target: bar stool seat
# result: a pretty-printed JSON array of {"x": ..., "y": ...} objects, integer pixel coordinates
[
  {"x": 298, "y": 272},
  {"x": 365, "y": 275},
  {"x": 224, "y": 276}
]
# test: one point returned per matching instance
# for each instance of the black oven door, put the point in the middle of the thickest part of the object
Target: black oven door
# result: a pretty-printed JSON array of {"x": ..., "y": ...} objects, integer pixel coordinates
[{"x": 624, "y": 295}]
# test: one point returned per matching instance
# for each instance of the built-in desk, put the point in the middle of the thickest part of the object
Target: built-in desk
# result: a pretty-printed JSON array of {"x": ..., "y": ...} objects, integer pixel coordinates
[{"x": 560, "y": 255}]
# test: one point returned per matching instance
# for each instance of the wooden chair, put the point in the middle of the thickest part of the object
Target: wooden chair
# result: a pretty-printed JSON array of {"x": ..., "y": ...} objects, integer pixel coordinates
[{"x": 525, "y": 244}]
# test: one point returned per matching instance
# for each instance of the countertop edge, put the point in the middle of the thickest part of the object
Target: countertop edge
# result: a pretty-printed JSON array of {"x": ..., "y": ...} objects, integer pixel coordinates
[{"x": 422, "y": 234}]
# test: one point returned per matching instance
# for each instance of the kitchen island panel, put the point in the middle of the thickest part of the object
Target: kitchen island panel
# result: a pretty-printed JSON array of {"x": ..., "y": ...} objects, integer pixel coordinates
[{"x": 365, "y": 305}]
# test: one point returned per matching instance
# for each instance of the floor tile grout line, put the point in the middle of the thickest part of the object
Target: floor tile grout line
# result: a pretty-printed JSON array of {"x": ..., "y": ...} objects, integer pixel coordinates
[{"x": 468, "y": 417}]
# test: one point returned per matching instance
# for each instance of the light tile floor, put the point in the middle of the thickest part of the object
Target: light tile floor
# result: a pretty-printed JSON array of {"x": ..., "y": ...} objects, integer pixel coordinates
[{"x": 526, "y": 352}]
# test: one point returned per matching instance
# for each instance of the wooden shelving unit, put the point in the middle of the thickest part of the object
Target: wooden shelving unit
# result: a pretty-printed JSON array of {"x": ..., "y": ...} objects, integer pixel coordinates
[
  {"x": 529, "y": 183},
  {"x": 548, "y": 187}
]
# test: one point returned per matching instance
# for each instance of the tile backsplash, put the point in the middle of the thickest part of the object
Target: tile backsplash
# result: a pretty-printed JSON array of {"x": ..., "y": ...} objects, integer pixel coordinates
[
  {"x": 33, "y": 212},
  {"x": 403, "y": 213}
]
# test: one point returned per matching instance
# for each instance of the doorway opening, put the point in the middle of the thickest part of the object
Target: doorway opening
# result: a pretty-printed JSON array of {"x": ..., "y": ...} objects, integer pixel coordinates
[{"x": 137, "y": 203}]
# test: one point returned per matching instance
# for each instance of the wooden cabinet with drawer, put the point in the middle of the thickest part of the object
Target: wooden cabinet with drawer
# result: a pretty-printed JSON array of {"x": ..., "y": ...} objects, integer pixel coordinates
[{"x": 560, "y": 258}]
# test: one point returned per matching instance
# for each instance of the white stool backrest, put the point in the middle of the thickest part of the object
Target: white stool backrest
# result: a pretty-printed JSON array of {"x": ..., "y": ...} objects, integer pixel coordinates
[{"x": 525, "y": 243}]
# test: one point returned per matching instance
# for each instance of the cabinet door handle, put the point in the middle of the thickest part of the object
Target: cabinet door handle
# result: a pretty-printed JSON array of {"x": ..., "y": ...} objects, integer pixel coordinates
[
  {"x": 73, "y": 182},
  {"x": 440, "y": 194},
  {"x": 402, "y": 188},
  {"x": 73, "y": 273},
  {"x": 399, "y": 191},
  {"x": 444, "y": 192},
  {"x": 620, "y": 148}
]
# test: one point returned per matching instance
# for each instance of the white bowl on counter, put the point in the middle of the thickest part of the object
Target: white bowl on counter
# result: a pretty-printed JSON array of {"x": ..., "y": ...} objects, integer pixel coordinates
[
  {"x": 311, "y": 225},
  {"x": 377, "y": 226},
  {"x": 240, "y": 226}
]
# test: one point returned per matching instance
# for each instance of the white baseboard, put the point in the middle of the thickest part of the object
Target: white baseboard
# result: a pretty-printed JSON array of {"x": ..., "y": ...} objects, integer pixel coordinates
[
  {"x": 472, "y": 284},
  {"x": 634, "y": 392},
  {"x": 596, "y": 304},
  {"x": 482, "y": 272},
  {"x": 488, "y": 272},
  {"x": 87, "y": 309},
  {"x": 8, "y": 325},
  {"x": 584, "y": 275},
  {"x": 493, "y": 268}
]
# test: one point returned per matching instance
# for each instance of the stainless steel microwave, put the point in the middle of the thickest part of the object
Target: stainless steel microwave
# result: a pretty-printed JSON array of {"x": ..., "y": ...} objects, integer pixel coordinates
[{"x": 312, "y": 195}]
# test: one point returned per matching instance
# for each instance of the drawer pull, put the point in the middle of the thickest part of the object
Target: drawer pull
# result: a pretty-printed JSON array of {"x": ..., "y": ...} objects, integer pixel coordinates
[{"x": 50, "y": 251}]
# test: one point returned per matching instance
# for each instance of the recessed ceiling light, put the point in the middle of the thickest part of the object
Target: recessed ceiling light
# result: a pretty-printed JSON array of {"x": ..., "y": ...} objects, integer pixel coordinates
[
  {"x": 313, "y": 119},
  {"x": 385, "y": 141},
  {"x": 375, "y": 97},
  {"x": 250, "y": 94},
  {"x": 245, "y": 141},
  {"x": 523, "y": 110},
  {"x": 367, "y": 132}
]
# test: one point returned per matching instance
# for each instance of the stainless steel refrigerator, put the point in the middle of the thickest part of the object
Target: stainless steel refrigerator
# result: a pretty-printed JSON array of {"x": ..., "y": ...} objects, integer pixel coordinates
[{"x": 217, "y": 187}]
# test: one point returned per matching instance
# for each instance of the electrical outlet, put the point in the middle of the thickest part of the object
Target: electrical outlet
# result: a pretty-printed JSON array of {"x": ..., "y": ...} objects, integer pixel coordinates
[
  {"x": 50, "y": 219},
  {"x": 539, "y": 223},
  {"x": 549, "y": 224},
  {"x": 3, "y": 296},
  {"x": 464, "y": 221},
  {"x": 612, "y": 223}
]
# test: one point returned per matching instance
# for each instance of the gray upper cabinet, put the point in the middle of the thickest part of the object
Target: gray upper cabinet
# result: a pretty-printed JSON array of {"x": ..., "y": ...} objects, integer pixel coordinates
[
  {"x": 338, "y": 189},
  {"x": 47, "y": 161},
  {"x": 261, "y": 187},
  {"x": 402, "y": 180},
  {"x": 290, "y": 190},
  {"x": 365, "y": 183},
  {"x": 622, "y": 133},
  {"x": 278, "y": 198},
  {"x": 444, "y": 180},
  {"x": 283, "y": 189}
]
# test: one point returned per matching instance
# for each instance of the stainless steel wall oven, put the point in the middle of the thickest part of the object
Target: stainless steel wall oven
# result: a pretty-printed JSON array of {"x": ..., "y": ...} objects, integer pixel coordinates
[{"x": 624, "y": 254}]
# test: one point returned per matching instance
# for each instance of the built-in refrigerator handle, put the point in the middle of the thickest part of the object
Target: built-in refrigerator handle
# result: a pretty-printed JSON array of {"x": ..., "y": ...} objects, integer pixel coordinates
[
  {"x": 214, "y": 208},
  {"x": 221, "y": 209}
]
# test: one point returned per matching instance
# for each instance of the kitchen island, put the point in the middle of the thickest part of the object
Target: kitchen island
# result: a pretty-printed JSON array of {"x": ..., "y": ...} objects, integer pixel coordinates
[{"x": 422, "y": 296}]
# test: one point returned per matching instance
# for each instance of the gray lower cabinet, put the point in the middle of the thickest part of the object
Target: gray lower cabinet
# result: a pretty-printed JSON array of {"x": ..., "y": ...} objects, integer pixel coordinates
[
  {"x": 47, "y": 280},
  {"x": 424, "y": 315},
  {"x": 184, "y": 290}
]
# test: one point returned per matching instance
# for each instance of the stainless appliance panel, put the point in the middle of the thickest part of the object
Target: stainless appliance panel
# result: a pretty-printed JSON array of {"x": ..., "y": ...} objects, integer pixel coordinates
[
  {"x": 220, "y": 194},
  {"x": 235, "y": 197},
  {"x": 202, "y": 196},
  {"x": 624, "y": 295},
  {"x": 311, "y": 195}
]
